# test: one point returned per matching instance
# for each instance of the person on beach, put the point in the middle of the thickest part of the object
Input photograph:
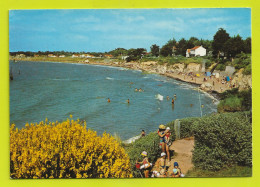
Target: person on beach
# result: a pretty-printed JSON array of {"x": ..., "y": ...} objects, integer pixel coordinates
[
  {"x": 162, "y": 161},
  {"x": 168, "y": 144},
  {"x": 161, "y": 134},
  {"x": 108, "y": 100},
  {"x": 176, "y": 170},
  {"x": 146, "y": 165},
  {"x": 143, "y": 133}
]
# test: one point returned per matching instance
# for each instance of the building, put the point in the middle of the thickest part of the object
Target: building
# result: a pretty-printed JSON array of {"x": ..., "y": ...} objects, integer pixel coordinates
[
  {"x": 51, "y": 55},
  {"x": 108, "y": 56},
  {"x": 196, "y": 51},
  {"x": 62, "y": 56},
  {"x": 75, "y": 56}
]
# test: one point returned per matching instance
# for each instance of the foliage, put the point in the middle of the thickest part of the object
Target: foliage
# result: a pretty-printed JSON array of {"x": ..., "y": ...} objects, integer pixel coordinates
[
  {"x": 231, "y": 104},
  {"x": 166, "y": 50},
  {"x": 247, "y": 45},
  {"x": 234, "y": 171},
  {"x": 234, "y": 100},
  {"x": 234, "y": 46},
  {"x": 223, "y": 140},
  {"x": 135, "y": 54},
  {"x": 65, "y": 150},
  {"x": 155, "y": 50},
  {"x": 220, "y": 38},
  {"x": 150, "y": 144},
  {"x": 118, "y": 52},
  {"x": 186, "y": 127}
]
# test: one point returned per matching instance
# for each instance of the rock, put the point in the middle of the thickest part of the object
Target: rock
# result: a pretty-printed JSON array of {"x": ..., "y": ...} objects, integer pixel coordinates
[{"x": 193, "y": 67}]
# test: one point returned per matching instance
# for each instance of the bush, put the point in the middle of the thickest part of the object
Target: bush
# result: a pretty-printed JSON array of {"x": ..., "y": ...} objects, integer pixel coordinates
[
  {"x": 223, "y": 140},
  {"x": 150, "y": 144},
  {"x": 65, "y": 150},
  {"x": 247, "y": 70},
  {"x": 234, "y": 100},
  {"x": 186, "y": 127},
  {"x": 231, "y": 104}
]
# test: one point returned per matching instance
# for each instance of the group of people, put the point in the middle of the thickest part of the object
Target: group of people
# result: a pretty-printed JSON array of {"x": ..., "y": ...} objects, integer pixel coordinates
[
  {"x": 164, "y": 162},
  {"x": 139, "y": 90}
]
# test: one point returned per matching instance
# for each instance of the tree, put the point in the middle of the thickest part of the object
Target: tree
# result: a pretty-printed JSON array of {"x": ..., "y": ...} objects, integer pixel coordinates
[
  {"x": 118, "y": 52},
  {"x": 155, "y": 49},
  {"x": 181, "y": 47},
  {"x": 135, "y": 54},
  {"x": 247, "y": 45},
  {"x": 167, "y": 48},
  {"x": 234, "y": 46},
  {"x": 220, "y": 38}
]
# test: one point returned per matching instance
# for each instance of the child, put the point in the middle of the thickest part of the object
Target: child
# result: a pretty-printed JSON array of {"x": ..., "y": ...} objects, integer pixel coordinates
[
  {"x": 177, "y": 170},
  {"x": 146, "y": 165}
]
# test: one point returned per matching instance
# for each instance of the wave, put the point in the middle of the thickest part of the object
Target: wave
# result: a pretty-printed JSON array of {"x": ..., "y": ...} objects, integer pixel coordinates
[
  {"x": 131, "y": 140},
  {"x": 109, "y": 78},
  {"x": 159, "y": 97}
]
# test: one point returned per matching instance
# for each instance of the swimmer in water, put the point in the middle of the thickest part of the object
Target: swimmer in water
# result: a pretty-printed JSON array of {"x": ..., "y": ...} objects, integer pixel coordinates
[
  {"x": 191, "y": 105},
  {"x": 128, "y": 101},
  {"x": 172, "y": 101},
  {"x": 108, "y": 100},
  {"x": 136, "y": 90},
  {"x": 175, "y": 96},
  {"x": 140, "y": 90},
  {"x": 202, "y": 106},
  {"x": 168, "y": 97}
]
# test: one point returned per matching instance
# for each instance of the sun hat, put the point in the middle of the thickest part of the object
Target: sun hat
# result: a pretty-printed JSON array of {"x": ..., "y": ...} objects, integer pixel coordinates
[
  {"x": 144, "y": 153},
  {"x": 168, "y": 128},
  {"x": 163, "y": 154},
  {"x": 175, "y": 164},
  {"x": 161, "y": 126}
]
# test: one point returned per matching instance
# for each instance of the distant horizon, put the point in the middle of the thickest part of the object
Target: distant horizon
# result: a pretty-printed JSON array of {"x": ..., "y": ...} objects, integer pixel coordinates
[{"x": 103, "y": 30}]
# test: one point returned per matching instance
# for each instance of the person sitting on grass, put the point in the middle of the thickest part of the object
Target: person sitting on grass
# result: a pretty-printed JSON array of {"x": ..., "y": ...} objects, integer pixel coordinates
[
  {"x": 143, "y": 133},
  {"x": 146, "y": 165},
  {"x": 176, "y": 170}
]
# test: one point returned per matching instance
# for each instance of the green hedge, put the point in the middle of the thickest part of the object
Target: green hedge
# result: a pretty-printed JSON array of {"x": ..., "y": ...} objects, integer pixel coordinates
[
  {"x": 223, "y": 140},
  {"x": 150, "y": 144}
]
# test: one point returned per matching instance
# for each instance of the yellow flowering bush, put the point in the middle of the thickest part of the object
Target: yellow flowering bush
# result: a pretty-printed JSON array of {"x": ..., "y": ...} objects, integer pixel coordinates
[{"x": 65, "y": 150}]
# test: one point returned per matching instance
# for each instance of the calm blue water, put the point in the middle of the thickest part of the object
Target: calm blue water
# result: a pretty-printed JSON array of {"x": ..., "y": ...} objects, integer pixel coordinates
[{"x": 56, "y": 90}]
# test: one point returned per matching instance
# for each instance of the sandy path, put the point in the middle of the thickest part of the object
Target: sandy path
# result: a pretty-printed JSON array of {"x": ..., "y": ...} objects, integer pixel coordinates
[{"x": 183, "y": 149}]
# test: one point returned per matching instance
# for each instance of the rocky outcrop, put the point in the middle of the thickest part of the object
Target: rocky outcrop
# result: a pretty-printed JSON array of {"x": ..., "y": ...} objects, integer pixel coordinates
[
  {"x": 242, "y": 81},
  {"x": 193, "y": 67}
]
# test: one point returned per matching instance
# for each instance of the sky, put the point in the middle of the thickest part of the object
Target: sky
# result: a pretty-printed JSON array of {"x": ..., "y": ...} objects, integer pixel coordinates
[{"x": 102, "y": 30}]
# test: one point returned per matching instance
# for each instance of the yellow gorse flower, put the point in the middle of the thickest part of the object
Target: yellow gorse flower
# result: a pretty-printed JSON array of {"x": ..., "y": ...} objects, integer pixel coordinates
[{"x": 65, "y": 150}]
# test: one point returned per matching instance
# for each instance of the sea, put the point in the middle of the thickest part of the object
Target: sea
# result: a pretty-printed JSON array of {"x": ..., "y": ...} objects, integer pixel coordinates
[{"x": 54, "y": 90}]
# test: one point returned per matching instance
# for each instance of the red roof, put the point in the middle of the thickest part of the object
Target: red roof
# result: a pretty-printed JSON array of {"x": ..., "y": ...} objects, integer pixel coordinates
[{"x": 196, "y": 47}]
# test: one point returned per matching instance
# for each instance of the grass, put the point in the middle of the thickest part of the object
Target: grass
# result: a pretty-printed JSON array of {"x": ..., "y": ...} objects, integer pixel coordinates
[{"x": 234, "y": 171}]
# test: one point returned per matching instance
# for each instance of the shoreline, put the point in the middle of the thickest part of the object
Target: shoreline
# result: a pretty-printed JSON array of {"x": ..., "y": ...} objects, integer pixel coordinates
[{"x": 214, "y": 93}]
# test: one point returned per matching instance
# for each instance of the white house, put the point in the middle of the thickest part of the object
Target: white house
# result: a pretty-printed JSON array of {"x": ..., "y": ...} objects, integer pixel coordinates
[{"x": 196, "y": 51}]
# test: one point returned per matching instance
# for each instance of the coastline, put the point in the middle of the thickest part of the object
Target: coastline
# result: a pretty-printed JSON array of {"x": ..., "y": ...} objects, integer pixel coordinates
[{"x": 214, "y": 92}]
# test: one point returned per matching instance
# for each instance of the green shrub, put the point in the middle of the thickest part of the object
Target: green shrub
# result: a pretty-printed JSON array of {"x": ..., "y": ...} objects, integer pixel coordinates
[
  {"x": 230, "y": 104},
  {"x": 247, "y": 70},
  {"x": 223, "y": 140},
  {"x": 150, "y": 144},
  {"x": 186, "y": 127}
]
